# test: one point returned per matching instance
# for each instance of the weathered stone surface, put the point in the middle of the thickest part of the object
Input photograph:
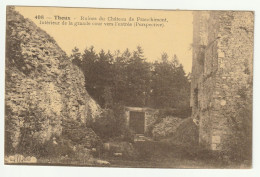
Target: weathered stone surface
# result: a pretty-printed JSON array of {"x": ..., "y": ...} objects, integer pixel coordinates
[
  {"x": 221, "y": 82},
  {"x": 41, "y": 83},
  {"x": 166, "y": 127}
]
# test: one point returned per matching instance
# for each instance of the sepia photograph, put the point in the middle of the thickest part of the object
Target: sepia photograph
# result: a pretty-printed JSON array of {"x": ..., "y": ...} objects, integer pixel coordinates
[{"x": 108, "y": 87}]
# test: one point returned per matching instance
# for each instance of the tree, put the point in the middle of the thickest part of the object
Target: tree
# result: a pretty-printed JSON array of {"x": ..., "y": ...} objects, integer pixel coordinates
[
  {"x": 128, "y": 79},
  {"x": 170, "y": 85}
]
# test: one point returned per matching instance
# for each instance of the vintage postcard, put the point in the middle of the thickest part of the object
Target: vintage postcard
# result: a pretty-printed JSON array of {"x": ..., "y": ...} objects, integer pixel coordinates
[{"x": 128, "y": 88}]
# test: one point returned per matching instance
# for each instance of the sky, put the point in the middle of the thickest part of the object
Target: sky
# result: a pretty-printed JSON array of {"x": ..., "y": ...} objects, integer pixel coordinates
[{"x": 174, "y": 38}]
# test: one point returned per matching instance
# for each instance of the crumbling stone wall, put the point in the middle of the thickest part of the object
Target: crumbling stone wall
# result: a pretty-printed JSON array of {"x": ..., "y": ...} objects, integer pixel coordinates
[
  {"x": 166, "y": 127},
  {"x": 221, "y": 81},
  {"x": 41, "y": 83}
]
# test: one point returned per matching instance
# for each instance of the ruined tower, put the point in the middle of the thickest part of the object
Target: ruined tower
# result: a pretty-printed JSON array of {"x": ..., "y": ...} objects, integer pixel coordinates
[{"x": 222, "y": 72}]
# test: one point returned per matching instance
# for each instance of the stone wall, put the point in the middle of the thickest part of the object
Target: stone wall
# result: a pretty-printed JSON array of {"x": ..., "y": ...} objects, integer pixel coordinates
[
  {"x": 41, "y": 84},
  {"x": 150, "y": 117},
  {"x": 221, "y": 82}
]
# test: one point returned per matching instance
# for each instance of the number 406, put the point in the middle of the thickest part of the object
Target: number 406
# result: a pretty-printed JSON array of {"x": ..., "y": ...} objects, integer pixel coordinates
[{"x": 39, "y": 16}]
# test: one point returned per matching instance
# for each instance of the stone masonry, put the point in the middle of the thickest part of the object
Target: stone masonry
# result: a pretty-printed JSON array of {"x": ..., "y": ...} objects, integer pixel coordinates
[
  {"x": 222, "y": 73},
  {"x": 150, "y": 116},
  {"x": 41, "y": 82}
]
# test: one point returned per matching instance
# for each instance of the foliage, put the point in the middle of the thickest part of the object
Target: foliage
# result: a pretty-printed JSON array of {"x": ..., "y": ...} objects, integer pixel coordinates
[
  {"x": 187, "y": 133},
  {"x": 9, "y": 149},
  {"x": 79, "y": 134},
  {"x": 50, "y": 149},
  {"x": 33, "y": 127},
  {"x": 111, "y": 123},
  {"x": 128, "y": 135},
  {"x": 128, "y": 79},
  {"x": 181, "y": 112},
  {"x": 240, "y": 123}
]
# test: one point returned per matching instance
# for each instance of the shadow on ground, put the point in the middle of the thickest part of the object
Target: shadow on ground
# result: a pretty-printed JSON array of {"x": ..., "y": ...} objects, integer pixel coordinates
[{"x": 157, "y": 154}]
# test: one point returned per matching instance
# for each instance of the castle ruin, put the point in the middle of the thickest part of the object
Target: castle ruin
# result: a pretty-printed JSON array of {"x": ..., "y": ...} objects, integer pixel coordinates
[{"x": 221, "y": 81}]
